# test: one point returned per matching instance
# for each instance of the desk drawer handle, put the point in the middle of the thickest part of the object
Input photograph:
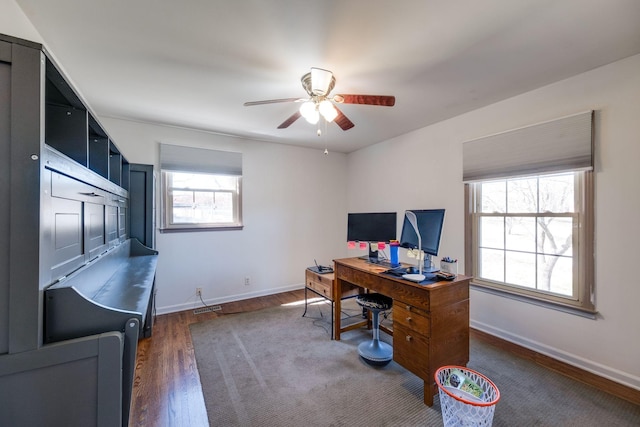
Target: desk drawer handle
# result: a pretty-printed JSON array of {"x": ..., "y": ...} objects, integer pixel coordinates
[
  {"x": 409, "y": 319},
  {"x": 409, "y": 338},
  {"x": 408, "y": 308}
]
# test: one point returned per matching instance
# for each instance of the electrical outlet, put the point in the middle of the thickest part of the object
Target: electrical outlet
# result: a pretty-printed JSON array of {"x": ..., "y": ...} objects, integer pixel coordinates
[
  {"x": 247, "y": 281},
  {"x": 198, "y": 292}
]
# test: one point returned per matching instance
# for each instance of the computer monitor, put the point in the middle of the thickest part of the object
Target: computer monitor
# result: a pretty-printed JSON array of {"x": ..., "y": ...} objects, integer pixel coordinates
[
  {"x": 372, "y": 227},
  {"x": 429, "y": 222}
]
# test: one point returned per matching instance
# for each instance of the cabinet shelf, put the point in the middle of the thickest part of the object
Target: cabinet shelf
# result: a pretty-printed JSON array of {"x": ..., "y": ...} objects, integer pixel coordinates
[
  {"x": 74, "y": 131},
  {"x": 98, "y": 149}
]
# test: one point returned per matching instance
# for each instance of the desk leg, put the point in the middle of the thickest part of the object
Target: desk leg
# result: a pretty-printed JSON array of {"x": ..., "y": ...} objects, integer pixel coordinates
[
  {"x": 428, "y": 393},
  {"x": 337, "y": 308},
  {"x": 305, "y": 301}
]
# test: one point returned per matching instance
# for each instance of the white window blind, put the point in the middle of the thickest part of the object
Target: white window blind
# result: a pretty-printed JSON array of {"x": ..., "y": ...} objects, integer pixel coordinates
[
  {"x": 189, "y": 159},
  {"x": 556, "y": 146}
]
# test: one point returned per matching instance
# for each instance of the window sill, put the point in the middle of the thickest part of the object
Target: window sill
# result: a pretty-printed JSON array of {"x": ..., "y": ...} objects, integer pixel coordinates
[
  {"x": 589, "y": 314},
  {"x": 196, "y": 229}
]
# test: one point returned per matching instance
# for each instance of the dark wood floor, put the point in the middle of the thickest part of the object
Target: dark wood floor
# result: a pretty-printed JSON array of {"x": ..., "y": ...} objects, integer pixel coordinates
[{"x": 166, "y": 389}]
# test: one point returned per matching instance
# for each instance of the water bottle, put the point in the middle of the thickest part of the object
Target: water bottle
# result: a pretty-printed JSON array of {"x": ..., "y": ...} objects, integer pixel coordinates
[{"x": 394, "y": 245}]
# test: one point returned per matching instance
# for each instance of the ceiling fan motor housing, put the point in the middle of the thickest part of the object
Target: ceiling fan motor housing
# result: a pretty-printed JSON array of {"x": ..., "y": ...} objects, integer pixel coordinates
[{"x": 318, "y": 82}]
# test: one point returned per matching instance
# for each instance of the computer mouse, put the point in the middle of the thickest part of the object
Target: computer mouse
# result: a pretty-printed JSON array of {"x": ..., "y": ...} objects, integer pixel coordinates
[{"x": 412, "y": 270}]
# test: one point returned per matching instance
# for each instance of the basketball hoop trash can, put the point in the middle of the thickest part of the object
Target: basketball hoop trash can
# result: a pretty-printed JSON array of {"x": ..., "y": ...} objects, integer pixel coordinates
[{"x": 467, "y": 398}]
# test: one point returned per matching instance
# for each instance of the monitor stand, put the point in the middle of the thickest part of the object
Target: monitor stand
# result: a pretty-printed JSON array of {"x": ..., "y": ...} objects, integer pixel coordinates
[
  {"x": 428, "y": 271},
  {"x": 428, "y": 266},
  {"x": 373, "y": 256}
]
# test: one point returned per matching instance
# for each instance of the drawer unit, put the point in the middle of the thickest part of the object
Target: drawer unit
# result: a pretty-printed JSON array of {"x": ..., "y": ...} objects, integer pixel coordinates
[
  {"x": 320, "y": 283},
  {"x": 411, "y": 332},
  {"x": 323, "y": 285}
]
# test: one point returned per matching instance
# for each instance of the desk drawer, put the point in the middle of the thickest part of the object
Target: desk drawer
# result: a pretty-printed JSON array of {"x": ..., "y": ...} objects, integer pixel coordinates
[
  {"x": 411, "y": 350},
  {"x": 412, "y": 318},
  {"x": 320, "y": 288},
  {"x": 321, "y": 283}
]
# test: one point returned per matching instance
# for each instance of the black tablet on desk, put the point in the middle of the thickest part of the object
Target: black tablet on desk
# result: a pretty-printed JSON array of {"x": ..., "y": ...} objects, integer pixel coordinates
[{"x": 320, "y": 269}]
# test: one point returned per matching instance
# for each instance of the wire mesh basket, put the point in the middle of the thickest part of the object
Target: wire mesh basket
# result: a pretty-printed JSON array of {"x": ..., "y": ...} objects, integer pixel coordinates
[{"x": 461, "y": 408}]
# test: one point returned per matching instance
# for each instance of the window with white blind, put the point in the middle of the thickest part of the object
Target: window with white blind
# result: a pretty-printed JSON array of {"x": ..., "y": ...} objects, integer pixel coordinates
[
  {"x": 529, "y": 227},
  {"x": 201, "y": 189}
]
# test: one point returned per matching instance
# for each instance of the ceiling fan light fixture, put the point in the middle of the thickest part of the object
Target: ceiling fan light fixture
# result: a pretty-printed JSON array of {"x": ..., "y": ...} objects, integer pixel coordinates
[
  {"x": 327, "y": 110},
  {"x": 309, "y": 111},
  {"x": 320, "y": 81}
]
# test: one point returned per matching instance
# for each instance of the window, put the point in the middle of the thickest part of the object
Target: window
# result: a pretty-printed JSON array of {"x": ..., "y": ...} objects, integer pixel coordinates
[
  {"x": 527, "y": 233},
  {"x": 529, "y": 227},
  {"x": 201, "y": 189},
  {"x": 201, "y": 200}
]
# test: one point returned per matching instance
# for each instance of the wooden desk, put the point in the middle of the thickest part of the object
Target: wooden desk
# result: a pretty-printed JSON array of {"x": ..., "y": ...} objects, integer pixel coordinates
[
  {"x": 323, "y": 285},
  {"x": 430, "y": 322}
]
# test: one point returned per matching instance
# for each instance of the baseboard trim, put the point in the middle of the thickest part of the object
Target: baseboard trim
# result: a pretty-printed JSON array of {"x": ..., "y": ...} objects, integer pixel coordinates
[
  {"x": 616, "y": 389},
  {"x": 231, "y": 298}
]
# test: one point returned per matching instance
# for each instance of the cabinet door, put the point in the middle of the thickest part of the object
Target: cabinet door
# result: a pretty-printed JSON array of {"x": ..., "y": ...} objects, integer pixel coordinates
[
  {"x": 141, "y": 200},
  {"x": 111, "y": 225},
  {"x": 94, "y": 217},
  {"x": 5, "y": 193},
  {"x": 122, "y": 223},
  {"x": 67, "y": 234}
]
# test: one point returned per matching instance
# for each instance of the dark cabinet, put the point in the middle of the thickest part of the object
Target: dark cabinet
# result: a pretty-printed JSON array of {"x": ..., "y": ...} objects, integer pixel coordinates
[{"x": 65, "y": 220}]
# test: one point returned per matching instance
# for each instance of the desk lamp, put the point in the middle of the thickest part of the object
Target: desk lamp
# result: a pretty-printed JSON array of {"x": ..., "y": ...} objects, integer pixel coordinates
[{"x": 415, "y": 277}]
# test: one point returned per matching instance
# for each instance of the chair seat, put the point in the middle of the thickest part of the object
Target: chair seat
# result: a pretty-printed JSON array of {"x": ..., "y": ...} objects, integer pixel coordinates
[
  {"x": 375, "y": 352},
  {"x": 374, "y": 301}
]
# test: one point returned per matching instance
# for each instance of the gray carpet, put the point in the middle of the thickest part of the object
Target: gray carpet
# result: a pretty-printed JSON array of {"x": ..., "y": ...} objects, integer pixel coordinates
[{"x": 275, "y": 368}]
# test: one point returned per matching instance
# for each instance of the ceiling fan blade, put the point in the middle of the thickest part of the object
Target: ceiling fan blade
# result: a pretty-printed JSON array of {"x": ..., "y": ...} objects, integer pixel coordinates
[
  {"x": 383, "y": 100},
  {"x": 342, "y": 120},
  {"x": 273, "y": 101},
  {"x": 295, "y": 116}
]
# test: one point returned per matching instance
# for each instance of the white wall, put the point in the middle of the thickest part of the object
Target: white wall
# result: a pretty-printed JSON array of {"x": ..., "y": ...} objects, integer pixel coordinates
[
  {"x": 295, "y": 205},
  {"x": 13, "y": 22},
  {"x": 423, "y": 169},
  {"x": 293, "y": 210},
  {"x": 293, "y": 213}
]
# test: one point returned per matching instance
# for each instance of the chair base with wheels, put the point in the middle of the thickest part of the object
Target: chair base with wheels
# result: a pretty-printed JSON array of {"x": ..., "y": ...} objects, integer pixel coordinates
[{"x": 375, "y": 352}]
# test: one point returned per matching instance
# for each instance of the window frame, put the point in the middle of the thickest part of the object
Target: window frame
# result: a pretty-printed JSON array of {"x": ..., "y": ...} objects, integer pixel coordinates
[
  {"x": 583, "y": 300},
  {"x": 167, "y": 205}
]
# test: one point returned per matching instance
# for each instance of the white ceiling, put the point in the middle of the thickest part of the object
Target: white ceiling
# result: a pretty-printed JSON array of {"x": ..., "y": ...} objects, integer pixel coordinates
[{"x": 193, "y": 63}]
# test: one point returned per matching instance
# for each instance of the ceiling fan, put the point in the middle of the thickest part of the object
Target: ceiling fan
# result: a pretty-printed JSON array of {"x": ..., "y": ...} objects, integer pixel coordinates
[{"x": 318, "y": 84}]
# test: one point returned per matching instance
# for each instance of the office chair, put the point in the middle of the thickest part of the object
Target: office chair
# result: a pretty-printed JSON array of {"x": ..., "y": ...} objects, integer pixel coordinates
[{"x": 375, "y": 352}]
